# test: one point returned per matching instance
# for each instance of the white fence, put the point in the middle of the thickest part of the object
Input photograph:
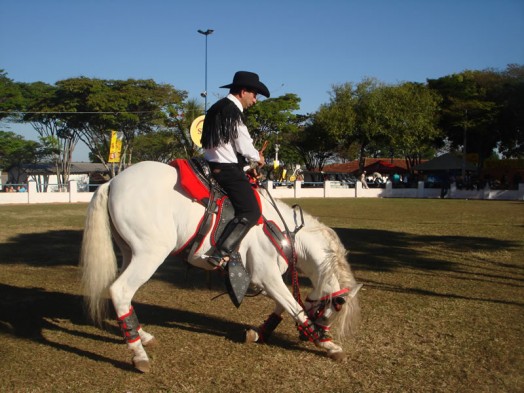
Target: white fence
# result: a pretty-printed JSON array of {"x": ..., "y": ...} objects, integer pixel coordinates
[
  {"x": 334, "y": 189},
  {"x": 32, "y": 195},
  {"x": 329, "y": 189}
]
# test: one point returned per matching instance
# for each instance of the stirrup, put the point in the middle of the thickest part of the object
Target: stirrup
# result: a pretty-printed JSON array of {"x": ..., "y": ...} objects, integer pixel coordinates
[{"x": 218, "y": 261}]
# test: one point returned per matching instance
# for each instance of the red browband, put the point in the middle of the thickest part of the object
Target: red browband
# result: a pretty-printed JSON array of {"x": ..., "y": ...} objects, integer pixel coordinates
[{"x": 343, "y": 291}]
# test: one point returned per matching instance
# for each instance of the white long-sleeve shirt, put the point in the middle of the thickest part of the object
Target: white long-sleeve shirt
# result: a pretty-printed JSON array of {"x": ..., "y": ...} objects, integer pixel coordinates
[{"x": 243, "y": 144}]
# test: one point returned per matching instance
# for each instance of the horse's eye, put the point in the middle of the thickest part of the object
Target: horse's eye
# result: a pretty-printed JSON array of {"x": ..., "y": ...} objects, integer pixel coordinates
[{"x": 339, "y": 301}]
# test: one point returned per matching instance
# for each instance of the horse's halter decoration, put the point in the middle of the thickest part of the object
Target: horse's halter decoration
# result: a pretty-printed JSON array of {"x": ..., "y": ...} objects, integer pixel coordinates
[{"x": 322, "y": 311}]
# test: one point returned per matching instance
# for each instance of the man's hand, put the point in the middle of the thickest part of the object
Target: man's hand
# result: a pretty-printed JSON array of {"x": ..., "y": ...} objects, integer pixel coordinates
[{"x": 261, "y": 160}]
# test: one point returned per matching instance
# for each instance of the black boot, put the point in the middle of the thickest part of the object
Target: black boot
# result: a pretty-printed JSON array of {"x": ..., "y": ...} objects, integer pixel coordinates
[
  {"x": 229, "y": 241},
  {"x": 226, "y": 257}
]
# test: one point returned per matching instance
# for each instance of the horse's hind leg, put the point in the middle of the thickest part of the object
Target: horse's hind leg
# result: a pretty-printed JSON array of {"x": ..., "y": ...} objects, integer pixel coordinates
[
  {"x": 148, "y": 340},
  {"x": 139, "y": 271}
]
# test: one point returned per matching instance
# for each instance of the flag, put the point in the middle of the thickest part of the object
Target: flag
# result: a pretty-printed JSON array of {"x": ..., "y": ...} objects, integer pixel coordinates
[{"x": 116, "y": 146}]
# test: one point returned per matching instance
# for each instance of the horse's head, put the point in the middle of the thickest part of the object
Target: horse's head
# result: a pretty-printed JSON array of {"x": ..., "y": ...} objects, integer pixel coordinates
[{"x": 323, "y": 312}]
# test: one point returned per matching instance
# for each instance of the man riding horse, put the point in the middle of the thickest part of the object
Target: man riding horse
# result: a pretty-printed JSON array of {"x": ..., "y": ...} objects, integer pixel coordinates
[{"x": 229, "y": 149}]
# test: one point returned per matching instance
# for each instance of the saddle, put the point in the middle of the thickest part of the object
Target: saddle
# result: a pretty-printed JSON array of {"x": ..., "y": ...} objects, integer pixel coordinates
[{"x": 197, "y": 182}]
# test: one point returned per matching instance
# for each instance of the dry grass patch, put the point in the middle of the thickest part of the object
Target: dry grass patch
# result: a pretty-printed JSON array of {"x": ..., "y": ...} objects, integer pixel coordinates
[{"x": 442, "y": 309}]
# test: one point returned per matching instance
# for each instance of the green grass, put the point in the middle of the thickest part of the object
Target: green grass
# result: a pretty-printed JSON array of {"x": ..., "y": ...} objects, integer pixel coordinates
[{"x": 442, "y": 309}]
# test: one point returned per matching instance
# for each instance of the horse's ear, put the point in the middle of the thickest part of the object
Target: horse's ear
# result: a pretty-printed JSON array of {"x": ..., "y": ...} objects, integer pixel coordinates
[{"x": 355, "y": 290}]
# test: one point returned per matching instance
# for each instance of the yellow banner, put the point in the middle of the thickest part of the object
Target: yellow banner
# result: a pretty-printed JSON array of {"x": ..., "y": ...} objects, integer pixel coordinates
[{"x": 116, "y": 146}]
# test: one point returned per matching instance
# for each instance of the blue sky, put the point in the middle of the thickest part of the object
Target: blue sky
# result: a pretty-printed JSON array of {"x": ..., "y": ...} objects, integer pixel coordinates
[{"x": 301, "y": 47}]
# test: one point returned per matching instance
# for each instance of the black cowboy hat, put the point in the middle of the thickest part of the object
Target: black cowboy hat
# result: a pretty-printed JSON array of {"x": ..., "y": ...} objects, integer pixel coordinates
[{"x": 248, "y": 80}]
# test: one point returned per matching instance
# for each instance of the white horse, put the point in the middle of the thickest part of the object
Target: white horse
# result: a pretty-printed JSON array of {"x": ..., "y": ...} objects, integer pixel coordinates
[{"x": 148, "y": 214}]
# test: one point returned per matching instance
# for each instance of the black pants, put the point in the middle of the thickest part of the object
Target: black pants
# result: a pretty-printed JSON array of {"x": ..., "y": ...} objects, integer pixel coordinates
[{"x": 235, "y": 182}]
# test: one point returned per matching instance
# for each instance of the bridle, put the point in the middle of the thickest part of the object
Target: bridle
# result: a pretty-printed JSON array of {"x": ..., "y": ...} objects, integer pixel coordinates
[
  {"x": 318, "y": 309},
  {"x": 317, "y": 325}
]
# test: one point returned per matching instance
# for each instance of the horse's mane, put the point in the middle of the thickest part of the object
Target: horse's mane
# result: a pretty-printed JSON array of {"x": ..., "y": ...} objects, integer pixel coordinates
[
  {"x": 347, "y": 319},
  {"x": 336, "y": 263}
]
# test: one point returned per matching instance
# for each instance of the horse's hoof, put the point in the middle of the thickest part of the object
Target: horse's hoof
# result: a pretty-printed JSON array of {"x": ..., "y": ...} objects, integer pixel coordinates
[
  {"x": 337, "y": 356},
  {"x": 251, "y": 336},
  {"x": 151, "y": 343},
  {"x": 142, "y": 365}
]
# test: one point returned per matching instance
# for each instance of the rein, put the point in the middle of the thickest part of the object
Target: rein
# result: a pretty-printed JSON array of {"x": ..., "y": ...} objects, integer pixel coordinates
[{"x": 291, "y": 236}]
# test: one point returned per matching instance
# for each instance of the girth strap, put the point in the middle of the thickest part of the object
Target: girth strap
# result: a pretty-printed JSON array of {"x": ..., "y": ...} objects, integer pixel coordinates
[{"x": 205, "y": 225}]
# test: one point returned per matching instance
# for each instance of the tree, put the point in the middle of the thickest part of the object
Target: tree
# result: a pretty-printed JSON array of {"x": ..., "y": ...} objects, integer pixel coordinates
[
  {"x": 351, "y": 116},
  {"x": 156, "y": 146},
  {"x": 314, "y": 144},
  {"x": 470, "y": 111},
  {"x": 10, "y": 96},
  {"x": 44, "y": 111},
  {"x": 132, "y": 107},
  {"x": 179, "y": 125},
  {"x": 509, "y": 92},
  {"x": 271, "y": 119},
  {"x": 16, "y": 151},
  {"x": 407, "y": 116}
]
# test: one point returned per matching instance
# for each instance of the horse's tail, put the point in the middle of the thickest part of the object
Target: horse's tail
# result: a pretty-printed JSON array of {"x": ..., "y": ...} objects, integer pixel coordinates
[{"x": 97, "y": 256}]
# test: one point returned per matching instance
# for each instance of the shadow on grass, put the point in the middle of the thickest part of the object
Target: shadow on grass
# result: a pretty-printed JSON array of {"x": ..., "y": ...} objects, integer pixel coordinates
[
  {"x": 51, "y": 248},
  {"x": 370, "y": 250},
  {"x": 379, "y": 250},
  {"x": 26, "y": 312},
  {"x": 426, "y": 292},
  {"x": 376, "y": 250}
]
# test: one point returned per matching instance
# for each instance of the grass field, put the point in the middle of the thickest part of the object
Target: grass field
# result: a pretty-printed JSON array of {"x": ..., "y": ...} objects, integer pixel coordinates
[{"x": 442, "y": 309}]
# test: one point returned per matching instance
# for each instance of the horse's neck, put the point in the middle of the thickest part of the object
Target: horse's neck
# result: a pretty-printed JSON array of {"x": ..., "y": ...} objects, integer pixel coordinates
[
  {"x": 317, "y": 264},
  {"x": 315, "y": 253}
]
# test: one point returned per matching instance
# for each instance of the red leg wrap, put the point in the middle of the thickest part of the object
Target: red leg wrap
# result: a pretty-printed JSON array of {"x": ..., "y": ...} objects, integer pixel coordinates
[
  {"x": 309, "y": 331},
  {"x": 266, "y": 329},
  {"x": 324, "y": 333},
  {"x": 129, "y": 326}
]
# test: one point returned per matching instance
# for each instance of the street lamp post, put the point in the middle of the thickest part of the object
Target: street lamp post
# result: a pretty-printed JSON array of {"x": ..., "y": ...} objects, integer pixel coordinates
[
  {"x": 464, "y": 151},
  {"x": 204, "y": 93}
]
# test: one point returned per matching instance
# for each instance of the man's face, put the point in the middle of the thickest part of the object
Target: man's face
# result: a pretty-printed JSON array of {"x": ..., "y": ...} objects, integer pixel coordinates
[{"x": 248, "y": 98}]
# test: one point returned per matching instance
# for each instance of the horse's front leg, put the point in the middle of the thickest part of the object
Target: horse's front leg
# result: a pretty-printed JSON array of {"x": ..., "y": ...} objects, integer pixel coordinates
[
  {"x": 262, "y": 333},
  {"x": 278, "y": 291},
  {"x": 334, "y": 351},
  {"x": 319, "y": 335},
  {"x": 308, "y": 330}
]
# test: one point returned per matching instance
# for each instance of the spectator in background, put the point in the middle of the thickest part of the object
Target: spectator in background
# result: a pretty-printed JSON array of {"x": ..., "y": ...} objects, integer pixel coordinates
[
  {"x": 396, "y": 178},
  {"x": 363, "y": 180},
  {"x": 517, "y": 179},
  {"x": 445, "y": 185}
]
